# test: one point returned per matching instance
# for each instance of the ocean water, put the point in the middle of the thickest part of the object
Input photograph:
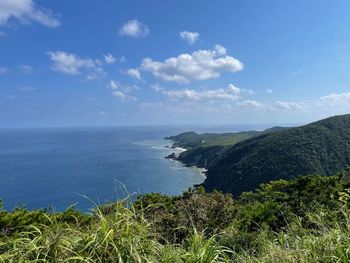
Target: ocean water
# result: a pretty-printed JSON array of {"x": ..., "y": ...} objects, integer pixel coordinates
[{"x": 59, "y": 167}]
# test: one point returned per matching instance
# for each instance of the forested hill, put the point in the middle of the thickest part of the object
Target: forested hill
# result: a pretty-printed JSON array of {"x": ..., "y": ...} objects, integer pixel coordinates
[
  {"x": 322, "y": 147},
  {"x": 192, "y": 139},
  {"x": 204, "y": 149}
]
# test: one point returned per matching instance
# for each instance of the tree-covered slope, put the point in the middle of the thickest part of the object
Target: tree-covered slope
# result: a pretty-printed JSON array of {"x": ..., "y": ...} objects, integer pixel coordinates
[
  {"x": 193, "y": 139},
  {"x": 204, "y": 149},
  {"x": 322, "y": 147}
]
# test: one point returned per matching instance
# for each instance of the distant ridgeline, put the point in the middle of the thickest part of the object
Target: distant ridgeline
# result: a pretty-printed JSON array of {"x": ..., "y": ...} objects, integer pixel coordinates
[
  {"x": 204, "y": 149},
  {"x": 238, "y": 162}
]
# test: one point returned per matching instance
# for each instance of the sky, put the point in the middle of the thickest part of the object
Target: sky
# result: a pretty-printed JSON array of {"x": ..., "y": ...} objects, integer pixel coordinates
[{"x": 162, "y": 62}]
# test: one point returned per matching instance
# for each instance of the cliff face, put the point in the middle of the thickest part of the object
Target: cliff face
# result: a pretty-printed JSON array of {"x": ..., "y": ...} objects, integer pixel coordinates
[
  {"x": 322, "y": 147},
  {"x": 203, "y": 157}
]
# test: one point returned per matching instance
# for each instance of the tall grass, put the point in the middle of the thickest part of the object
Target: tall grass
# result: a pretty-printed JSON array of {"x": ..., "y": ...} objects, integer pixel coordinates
[
  {"x": 123, "y": 235},
  {"x": 323, "y": 242},
  {"x": 120, "y": 236}
]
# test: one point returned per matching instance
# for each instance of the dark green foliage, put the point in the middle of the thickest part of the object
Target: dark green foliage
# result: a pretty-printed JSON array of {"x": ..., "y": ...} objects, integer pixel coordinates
[
  {"x": 202, "y": 156},
  {"x": 176, "y": 217},
  {"x": 204, "y": 149},
  {"x": 321, "y": 147},
  {"x": 275, "y": 204},
  {"x": 305, "y": 219},
  {"x": 193, "y": 140},
  {"x": 20, "y": 219}
]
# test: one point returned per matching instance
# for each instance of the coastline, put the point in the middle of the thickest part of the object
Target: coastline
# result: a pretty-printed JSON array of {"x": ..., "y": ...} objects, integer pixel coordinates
[{"x": 174, "y": 156}]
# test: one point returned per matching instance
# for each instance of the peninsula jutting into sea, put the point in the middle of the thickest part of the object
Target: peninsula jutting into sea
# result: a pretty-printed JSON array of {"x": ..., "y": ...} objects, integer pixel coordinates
[
  {"x": 148, "y": 131},
  {"x": 319, "y": 148}
]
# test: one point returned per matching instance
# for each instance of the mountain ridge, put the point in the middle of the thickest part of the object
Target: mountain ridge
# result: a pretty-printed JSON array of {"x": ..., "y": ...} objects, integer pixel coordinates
[{"x": 321, "y": 147}]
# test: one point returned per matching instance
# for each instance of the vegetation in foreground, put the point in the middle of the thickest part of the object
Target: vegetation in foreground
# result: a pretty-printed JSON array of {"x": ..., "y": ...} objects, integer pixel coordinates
[{"x": 306, "y": 219}]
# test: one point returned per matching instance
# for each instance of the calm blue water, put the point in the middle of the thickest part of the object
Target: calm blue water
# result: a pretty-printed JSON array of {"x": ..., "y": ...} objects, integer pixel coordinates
[{"x": 58, "y": 167}]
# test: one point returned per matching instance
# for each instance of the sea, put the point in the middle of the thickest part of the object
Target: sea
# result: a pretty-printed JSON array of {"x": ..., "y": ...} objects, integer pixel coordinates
[{"x": 56, "y": 168}]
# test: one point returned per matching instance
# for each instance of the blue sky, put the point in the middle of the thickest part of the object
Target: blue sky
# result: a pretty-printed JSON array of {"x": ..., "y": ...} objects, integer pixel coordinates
[{"x": 155, "y": 62}]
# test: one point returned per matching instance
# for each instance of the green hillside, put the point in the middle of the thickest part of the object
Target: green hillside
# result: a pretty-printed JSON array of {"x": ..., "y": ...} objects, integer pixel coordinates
[
  {"x": 322, "y": 147},
  {"x": 190, "y": 140},
  {"x": 204, "y": 149}
]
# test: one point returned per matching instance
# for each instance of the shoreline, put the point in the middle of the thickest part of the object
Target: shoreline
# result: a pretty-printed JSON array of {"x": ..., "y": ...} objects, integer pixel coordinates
[
  {"x": 174, "y": 157},
  {"x": 180, "y": 149}
]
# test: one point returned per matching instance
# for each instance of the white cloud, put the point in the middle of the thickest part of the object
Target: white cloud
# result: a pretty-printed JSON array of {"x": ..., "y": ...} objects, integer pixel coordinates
[
  {"x": 119, "y": 94},
  {"x": 134, "y": 28},
  {"x": 134, "y": 73},
  {"x": 110, "y": 59},
  {"x": 289, "y": 105},
  {"x": 122, "y": 91},
  {"x": 231, "y": 93},
  {"x": 2, "y": 34},
  {"x": 123, "y": 95},
  {"x": 26, "y": 11},
  {"x": 220, "y": 49},
  {"x": 26, "y": 69},
  {"x": 114, "y": 84},
  {"x": 336, "y": 99},
  {"x": 189, "y": 37},
  {"x": 71, "y": 64},
  {"x": 233, "y": 89},
  {"x": 269, "y": 91},
  {"x": 200, "y": 65},
  {"x": 251, "y": 104},
  {"x": 3, "y": 70}
]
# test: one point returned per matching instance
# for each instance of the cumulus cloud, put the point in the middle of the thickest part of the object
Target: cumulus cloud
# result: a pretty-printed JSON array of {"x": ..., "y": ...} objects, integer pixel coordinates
[
  {"x": 190, "y": 94},
  {"x": 251, "y": 104},
  {"x": 220, "y": 49},
  {"x": 71, "y": 64},
  {"x": 135, "y": 29},
  {"x": 3, "y": 70},
  {"x": 189, "y": 37},
  {"x": 289, "y": 105},
  {"x": 186, "y": 68},
  {"x": 110, "y": 59},
  {"x": 269, "y": 91},
  {"x": 231, "y": 93},
  {"x": 123, "y": 95},
  {"x": 25, "y": 11},
  {"x": 336, "y": 99},
  {"x": 122, "y": 91},
  {"x": 233, "y": 89},
  {"x": 114, "y": 84},
  {"x": 119, "y": 94},
  {"x": 134, "y": 73}
]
